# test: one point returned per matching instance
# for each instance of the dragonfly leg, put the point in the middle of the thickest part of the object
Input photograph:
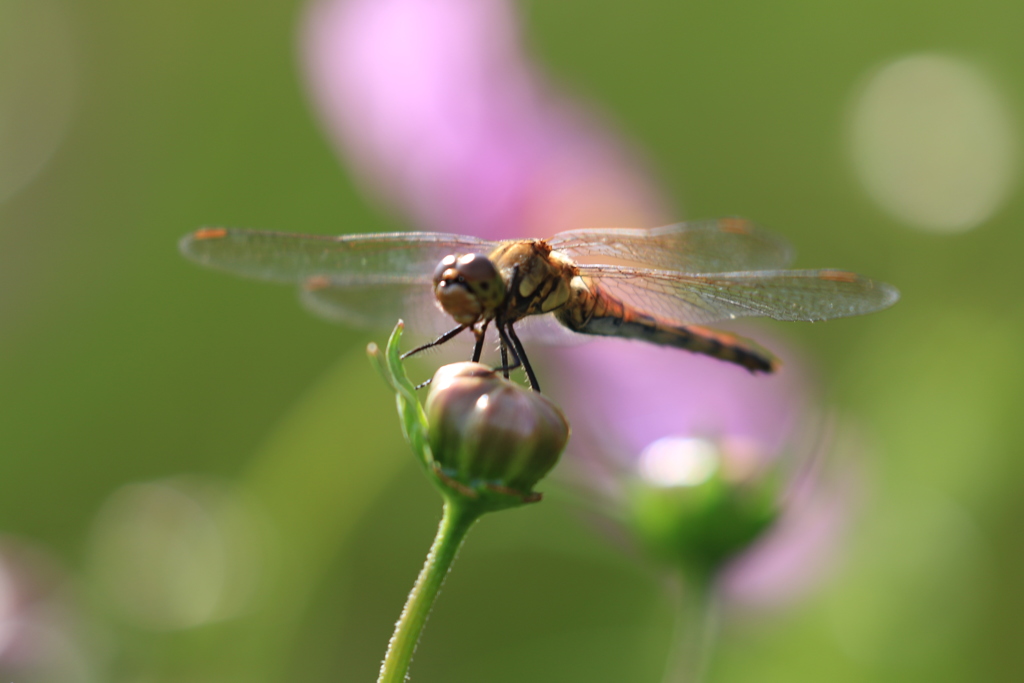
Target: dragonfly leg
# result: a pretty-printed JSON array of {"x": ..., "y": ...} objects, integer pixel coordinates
[
  {"x": 517, "y": 346},
  {"x": 504, "y": 350},
  {"x": 437, "y": 342},
  {"x": 479, "y": 348},
  {"x": 503, "y": 339},
  {"x": 510, "y": 342},
  {"x": 507, "y": 367},
  {"x": 506, "y": 346}
]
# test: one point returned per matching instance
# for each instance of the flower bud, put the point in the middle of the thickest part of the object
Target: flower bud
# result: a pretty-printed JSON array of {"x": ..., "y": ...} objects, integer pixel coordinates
[
  {"x": 489, "y": 435},
  {"x": 692, "y": 507}
]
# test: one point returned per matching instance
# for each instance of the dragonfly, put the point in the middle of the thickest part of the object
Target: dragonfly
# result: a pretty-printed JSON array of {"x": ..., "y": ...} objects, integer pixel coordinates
[{"x": 660, "y": 285}]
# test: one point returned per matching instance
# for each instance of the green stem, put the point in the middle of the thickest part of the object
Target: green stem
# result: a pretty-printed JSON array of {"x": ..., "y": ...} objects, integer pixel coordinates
[
  {"x": 456, "y": 521},
  {"x": 694, "y": 634}
]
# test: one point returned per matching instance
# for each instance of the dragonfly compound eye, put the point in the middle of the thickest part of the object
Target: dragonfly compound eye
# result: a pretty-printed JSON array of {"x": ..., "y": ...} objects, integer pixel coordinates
[{"x": 468, "y": 287}]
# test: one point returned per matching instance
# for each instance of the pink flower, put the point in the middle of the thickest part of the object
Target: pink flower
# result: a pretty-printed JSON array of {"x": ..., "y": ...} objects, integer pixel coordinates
[
  {"x": 440, "y": 113},
  {"x": 38, "y": 639}
]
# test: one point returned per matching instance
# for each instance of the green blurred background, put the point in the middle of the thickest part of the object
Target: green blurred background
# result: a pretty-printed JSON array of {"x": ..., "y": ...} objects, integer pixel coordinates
[{"x": 122, "y": 364}]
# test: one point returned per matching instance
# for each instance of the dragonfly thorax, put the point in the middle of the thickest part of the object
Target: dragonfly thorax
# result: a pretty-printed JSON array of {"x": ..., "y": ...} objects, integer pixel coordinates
[
  {"x": 536, "y": 277},
  {"x": 468, "y": 287}
]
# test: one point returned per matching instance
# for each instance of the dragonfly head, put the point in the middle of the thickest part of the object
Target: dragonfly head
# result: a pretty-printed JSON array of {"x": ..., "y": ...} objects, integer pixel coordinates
[{"x": 468, "y": 287}]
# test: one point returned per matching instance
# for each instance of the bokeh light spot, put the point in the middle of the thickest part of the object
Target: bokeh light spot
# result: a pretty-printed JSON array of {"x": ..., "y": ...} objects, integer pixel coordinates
[
  {"x": 676, "y": 461},
  {"x": 177, "y": 554},
  {"x": 933, "y": 142},
  {"x": 37, "y": 87}
]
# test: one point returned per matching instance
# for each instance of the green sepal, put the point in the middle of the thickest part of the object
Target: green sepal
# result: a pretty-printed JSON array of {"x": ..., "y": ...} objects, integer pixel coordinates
[
  {"x": 487, "y": 496},
  {"x": 410, "y": 413}
]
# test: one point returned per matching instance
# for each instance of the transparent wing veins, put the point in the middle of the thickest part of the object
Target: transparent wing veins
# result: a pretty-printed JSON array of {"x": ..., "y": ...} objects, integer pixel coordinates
[
  {"x": 364, "y": 280},
  {"x": 711, "y": 246},
  {"x": 289, "y": 257},
  {"x": 790, "y": 295}
]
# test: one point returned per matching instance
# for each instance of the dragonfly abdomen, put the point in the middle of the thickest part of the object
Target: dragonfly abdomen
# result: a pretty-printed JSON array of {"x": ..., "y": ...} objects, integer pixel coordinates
[{"x": 595, "y": 311}]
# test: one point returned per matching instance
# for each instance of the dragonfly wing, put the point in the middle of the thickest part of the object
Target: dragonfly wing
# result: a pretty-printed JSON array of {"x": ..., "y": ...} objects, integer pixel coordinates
[
  {"x": 377, "y": 303},
  {"x": 807, "y": 295},
  {"x": 289, "y": 257},
  {"x": 712, "y": 246}
]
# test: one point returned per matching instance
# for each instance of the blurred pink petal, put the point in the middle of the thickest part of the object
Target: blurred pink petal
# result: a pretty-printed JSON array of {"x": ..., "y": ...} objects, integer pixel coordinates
[
  {"x": 796, "y": 553},
  {"x": 441, "y": 114},
  {"x": 38, "y": 633},
  {"x": 641, "y": 392}
]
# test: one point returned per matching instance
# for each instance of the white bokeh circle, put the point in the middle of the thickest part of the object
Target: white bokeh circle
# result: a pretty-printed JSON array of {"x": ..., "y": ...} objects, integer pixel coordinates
[{"x": 933, "y": 142}]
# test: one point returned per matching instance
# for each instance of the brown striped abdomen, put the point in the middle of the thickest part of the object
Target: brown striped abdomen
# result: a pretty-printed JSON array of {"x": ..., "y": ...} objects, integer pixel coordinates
[{"x": 592, "y": 310}]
